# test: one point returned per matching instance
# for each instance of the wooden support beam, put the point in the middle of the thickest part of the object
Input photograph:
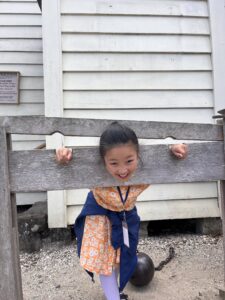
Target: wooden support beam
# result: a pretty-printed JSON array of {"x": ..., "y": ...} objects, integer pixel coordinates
[
  {"x": 37, "y": 170},
  {"x": 93, "y": 127},
  {"x": 222, "y": 186},
  {"x": 10, "y": 279}
]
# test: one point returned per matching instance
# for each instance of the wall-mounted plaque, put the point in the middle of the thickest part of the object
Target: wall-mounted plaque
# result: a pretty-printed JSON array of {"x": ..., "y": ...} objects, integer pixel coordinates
[{"x": 9, "y": 87}]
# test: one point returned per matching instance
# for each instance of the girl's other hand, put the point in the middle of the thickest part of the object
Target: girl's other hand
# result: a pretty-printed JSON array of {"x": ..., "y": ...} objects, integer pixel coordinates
[
  {"x": 64, "y": 155},
  {"x": 179, "y": 150}
]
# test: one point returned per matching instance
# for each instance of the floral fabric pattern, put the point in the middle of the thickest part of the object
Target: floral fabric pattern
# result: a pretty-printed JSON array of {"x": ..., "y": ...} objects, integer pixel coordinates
[{"x": 97, "y": 254}]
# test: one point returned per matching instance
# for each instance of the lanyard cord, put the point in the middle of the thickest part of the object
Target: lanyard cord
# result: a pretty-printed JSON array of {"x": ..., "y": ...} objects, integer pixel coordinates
[{"x": 121, "y": 196}]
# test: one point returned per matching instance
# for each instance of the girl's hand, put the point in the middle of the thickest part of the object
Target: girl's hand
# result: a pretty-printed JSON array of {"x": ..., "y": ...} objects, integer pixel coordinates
[
  {"x": 64, "y": 155},
  {"x": 179, "y": 150}
]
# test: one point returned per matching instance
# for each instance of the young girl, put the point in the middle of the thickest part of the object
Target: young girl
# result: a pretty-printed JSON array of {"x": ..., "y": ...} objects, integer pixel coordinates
[{"x": 107, "y": 227}]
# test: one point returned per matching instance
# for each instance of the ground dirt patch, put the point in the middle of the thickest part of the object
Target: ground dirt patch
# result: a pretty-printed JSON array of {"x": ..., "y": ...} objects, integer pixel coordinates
[{"x": 193, "y": 274}]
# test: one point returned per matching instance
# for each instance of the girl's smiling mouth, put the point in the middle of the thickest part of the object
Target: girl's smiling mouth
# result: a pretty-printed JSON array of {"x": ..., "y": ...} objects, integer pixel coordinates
[{"x": 124, "y": 176}]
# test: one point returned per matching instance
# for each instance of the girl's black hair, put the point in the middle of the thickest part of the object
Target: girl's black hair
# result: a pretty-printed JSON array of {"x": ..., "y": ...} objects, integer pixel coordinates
[{"x": 117, "y": 134}]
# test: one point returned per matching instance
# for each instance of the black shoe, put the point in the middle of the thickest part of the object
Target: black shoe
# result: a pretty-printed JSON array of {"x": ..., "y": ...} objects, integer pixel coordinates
[{"x": 123, "y": 296}]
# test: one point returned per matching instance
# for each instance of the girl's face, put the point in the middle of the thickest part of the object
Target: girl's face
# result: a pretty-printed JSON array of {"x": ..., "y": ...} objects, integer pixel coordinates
[{"x": 121, "y": 161}]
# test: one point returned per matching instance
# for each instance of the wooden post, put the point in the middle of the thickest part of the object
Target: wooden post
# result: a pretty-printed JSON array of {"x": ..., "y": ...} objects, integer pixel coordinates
[
  {"x": 222, "y": 186},
  {"x": 10, "y": 278},
  {"x": 222, "y": 190}
]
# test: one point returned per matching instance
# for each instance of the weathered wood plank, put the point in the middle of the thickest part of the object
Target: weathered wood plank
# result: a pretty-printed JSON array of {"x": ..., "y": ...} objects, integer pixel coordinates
[
  {"x": 10, "y": 281},
  {"x": 222, "y": 186},
  {"x": 94, "y": 127},
  {"x": 38, "y": 170}
]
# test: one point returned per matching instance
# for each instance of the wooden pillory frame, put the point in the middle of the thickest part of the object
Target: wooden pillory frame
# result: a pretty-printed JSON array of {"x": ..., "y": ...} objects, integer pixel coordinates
[{"x": 37, "y": 170}]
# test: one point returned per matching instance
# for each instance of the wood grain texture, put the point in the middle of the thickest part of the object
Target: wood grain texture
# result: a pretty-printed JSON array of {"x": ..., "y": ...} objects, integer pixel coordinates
[
  {"x": 10, "y": 281},
  {"x": 38, "y": 171},
  {"x": 94, "y": 127},
  {"x": 222, "y": 186}
]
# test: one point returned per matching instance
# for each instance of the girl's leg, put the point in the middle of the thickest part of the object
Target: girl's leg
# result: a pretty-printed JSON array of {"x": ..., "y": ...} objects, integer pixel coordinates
[{"x": 110, "y": 286}]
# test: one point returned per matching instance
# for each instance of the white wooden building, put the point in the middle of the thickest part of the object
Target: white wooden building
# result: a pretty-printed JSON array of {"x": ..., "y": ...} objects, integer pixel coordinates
[
  {"x": 159, "y": 60},
  {"x": 21, "y": 50}
]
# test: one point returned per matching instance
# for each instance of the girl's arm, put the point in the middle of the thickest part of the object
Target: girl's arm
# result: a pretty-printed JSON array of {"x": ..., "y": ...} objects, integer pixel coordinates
[
  {"x": 179, "y": 150},
  {"x": 63, "y": 155}
]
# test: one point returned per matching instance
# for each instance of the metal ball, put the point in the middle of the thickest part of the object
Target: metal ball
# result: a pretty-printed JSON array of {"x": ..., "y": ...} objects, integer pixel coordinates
[{"x": 144, "y": 271}]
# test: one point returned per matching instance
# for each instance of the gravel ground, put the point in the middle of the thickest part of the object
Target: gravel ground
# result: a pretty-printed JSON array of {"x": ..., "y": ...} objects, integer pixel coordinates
[{"x": 194, "y": 273}]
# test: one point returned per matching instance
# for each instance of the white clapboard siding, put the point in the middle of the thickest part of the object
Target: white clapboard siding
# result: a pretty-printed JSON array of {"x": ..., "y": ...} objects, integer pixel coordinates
[
  {"x": 20, "y": 32},
  {"x": 24, "y": 145},
  {"x": 30, "y": 198},
  {"x": 159, "y": 192},
  {"x": 137, "y": 81},
  {"x": 135, "y": 43},
  {"x": 161, "y": 210},
  {"x": 135, "y": 62},
  {"x": 23, "y": 58},
  {"x": 34, "y": 1},
  {"x": 16, "y": 8},
  {"x": 21, "y": 50},
  {"x": 26, "y": 70},
  {"x": 94, "y": 141},
  {"x": 31, "y": 96},
  {"x": 133, "y": 7},
  {"x": 21, "y": 45},
  {"x": 134, "y": 24},
  {"x": 141, "y": 60},
  {"x": 173, "y": 115},
  {"x": 146, "y": 99},
  {"x": 26, "y": 142},
  {"x": 26, "y": 137},
  {"x": 22, "y": 109},
  {"x": 31, "y": 83},
  {"x": 20, "y": 20}
]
